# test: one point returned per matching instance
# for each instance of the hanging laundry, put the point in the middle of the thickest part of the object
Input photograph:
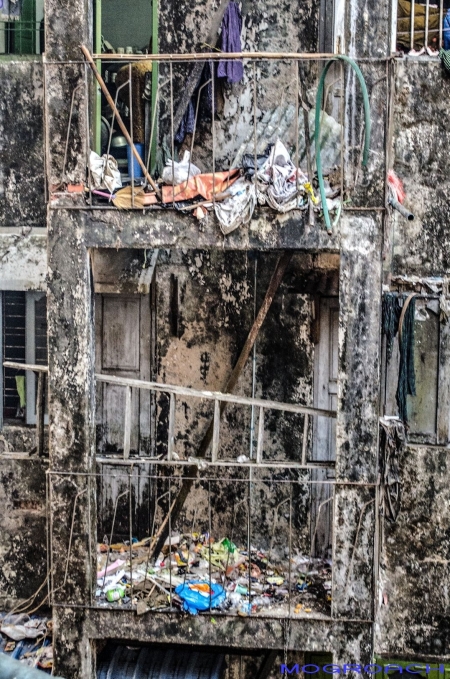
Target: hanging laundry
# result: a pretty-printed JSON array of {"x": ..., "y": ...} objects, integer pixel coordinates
[
  {"x": 205, "y": 92},
  {"x": 187, "y": 124},
  {"x": 231, "y": 28},
  {"x": 446, "y": 31},
  {"x": 10, "y": 10},
  {"x": 406, "y": 373}
]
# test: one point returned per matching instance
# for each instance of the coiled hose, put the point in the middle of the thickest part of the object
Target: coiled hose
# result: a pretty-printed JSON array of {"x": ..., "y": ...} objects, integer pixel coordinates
[{"x": 365, "y": 94}]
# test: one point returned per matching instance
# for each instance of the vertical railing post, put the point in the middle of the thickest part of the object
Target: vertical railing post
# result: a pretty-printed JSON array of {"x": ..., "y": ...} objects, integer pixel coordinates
[
  {"x": 127, "y": 428},
  {"x": 171, "y": 437},
  {"x": 441, "y": 23},
  {"x": 412, "y": 25},
  {"x": 216, "y": 431},
  {"x": 305, "y": 438},
  {"x": 40, "y": 413},
  {"x": 427, "y": 21},
  {"x": 260, "y": 442}
]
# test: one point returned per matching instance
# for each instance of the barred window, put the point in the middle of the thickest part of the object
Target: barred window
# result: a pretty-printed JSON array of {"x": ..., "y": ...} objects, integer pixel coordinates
[{"x": 21, "y": 27}]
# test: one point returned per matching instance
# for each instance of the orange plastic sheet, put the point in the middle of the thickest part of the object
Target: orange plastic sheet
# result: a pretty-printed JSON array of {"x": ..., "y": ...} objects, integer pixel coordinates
[{"x": 204, "y": 185}]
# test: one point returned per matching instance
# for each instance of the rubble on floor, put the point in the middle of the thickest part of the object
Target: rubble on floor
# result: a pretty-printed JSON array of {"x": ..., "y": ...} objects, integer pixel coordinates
[
  {"x": 27, "y": 639},
  {"x": 194, "y": 573}
]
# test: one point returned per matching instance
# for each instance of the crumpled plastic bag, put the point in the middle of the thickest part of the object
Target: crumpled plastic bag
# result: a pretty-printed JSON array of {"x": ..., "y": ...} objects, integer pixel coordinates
[
  {"x": 238, "y": 208},
  {"x": 18, "y": 627},
  {"x": 177, "y": 173},
  {"x": 104, "y": 172},
  {"x": 195, "y": 600}
]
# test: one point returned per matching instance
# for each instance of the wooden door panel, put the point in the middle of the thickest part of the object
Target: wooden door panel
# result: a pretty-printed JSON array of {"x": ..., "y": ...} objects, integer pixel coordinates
[
  {"x": 123, "y": 348},
  {"x": 121, "y": 334}
]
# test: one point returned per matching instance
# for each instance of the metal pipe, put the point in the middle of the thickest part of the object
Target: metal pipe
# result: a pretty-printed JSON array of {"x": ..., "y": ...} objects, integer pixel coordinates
[{"x": 400, "y": 208}]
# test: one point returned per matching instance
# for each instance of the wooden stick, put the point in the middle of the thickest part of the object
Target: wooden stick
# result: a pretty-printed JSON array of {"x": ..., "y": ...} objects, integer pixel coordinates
[
  {"x": 122, "y": 126},
  {"x": 191, "y": 473}
]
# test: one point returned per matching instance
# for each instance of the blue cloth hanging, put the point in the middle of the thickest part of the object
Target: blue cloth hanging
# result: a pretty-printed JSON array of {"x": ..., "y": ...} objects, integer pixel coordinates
[
  {"x": 233, "y": 71},
  {"x": 447, "y": 31}
]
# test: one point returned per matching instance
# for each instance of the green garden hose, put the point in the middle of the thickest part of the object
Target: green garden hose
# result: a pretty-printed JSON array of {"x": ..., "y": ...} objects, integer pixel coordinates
[{"x": 362, "y": 82}]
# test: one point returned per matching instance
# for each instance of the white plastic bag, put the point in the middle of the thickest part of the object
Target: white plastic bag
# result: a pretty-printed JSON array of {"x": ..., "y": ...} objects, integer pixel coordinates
[
  {"x": 104, "y": 172},
  {"x": 177, "y": 173}
]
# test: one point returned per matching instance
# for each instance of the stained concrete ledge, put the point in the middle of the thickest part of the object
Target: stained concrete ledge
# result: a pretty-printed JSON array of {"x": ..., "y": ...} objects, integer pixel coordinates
[
  {"x": 232, "y": 632},
  {"x": 169, "y": 228}
]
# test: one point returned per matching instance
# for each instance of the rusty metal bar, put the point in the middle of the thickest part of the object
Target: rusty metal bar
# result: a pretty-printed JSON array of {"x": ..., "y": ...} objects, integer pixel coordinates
[
  {"x": 305, "y": 438},
  {"x": 441, "y": 23},
  {"x": 127, "y": 427},
  {"x": 130, "y": 97},
  {"x": 209, "y": 545},
  {"x": 260, "y": 442},
  {"x": 40, "y": 413},
  {"x": 130, "y": 518},
  {"x": 214, "y": 56},
  {"x": 216, "y": 432},
  {"x": 290, "y": 550},
  {"x": 171, "y": 432}
]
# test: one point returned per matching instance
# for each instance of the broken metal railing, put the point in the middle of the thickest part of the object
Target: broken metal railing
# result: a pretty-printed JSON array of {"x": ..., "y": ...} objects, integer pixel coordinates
[
  {"x": 42, "y": 371},
  {"x": 265, "y": 123},
  {"x": 217, "y": 398},
  {"x": 426, "y": 27},
  {"x": 260, "y": 547}
]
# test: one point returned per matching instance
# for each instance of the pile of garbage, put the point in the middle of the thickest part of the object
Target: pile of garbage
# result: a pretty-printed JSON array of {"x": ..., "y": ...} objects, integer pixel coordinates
[
  {"x": 233, "y": 195},
  {"x": 28, "y": 639},
  {"x": 194, "y": 573}
]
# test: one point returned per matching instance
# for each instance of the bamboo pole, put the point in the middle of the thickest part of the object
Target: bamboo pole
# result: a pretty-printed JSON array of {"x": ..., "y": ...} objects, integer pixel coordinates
[
  {"x": 191, "y": 473},
  {"x": 122, "y": 126}
]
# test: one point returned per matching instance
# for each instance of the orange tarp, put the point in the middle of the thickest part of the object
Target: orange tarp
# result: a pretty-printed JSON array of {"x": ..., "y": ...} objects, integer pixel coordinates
[{"x": 202, "y": 185}]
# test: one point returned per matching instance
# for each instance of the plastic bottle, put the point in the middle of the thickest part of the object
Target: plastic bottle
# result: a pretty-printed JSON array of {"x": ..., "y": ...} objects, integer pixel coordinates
[{"x": 115, "y": 593}]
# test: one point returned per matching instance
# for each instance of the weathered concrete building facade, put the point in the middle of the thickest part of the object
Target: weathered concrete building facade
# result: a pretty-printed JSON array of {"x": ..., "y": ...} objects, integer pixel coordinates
[{"x": 145, "y": 313}]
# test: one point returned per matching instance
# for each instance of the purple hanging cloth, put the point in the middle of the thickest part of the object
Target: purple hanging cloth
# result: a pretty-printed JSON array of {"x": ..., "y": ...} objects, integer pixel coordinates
[{"x": 233, "y": 71}]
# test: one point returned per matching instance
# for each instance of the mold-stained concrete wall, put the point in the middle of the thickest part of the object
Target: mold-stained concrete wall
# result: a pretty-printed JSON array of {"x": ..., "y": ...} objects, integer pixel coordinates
[
  {"x": 421, "y": 137},
  {"x": 23, "y": 259},
  {"x": 22, "y": 187},
  {"x": 268, "y": 88},
  {"x": 412, "y": 598},
  {"x": 414, "y": 576},
  {"x": 23, "y": 541}
]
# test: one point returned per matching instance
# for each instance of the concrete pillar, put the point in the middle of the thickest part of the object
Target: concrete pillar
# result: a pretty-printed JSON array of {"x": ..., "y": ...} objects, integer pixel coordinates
[
  {"x": 68, "y": 23},
  {"x": 357, "y": 417},
  {"x": 71, "y": 439}
]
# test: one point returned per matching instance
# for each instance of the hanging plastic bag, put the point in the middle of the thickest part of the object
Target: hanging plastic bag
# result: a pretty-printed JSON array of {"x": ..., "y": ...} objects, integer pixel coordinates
[
  {"x": 104, "y": 172},
  {"x": 177, "y": 173}
]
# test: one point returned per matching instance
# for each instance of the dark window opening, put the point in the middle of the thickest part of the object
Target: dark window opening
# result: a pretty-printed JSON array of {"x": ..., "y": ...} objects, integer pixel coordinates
[
  {"x": 24, "y": 340},
  {"x": 13, "y": 311}
]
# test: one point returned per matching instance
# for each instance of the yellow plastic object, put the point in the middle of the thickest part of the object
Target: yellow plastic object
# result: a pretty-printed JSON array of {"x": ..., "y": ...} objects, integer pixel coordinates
[{"x": 310, "y": 191}]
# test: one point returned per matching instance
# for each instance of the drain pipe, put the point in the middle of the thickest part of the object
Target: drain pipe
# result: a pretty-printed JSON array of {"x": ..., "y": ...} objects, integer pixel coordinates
[{"x": 401, "y": 208}]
